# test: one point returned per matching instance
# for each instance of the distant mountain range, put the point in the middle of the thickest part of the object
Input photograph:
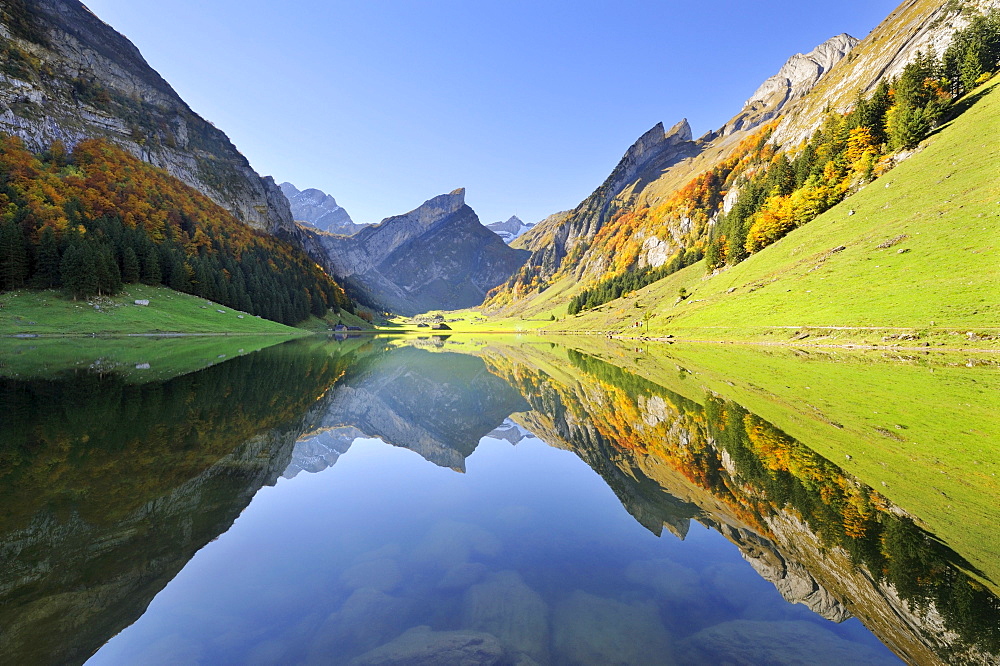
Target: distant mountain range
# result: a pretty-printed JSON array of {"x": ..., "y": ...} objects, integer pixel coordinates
[
  {"x": 437, "y": 256},
  {"x": 510, "y": 229},
  {"x": 320, "y": 210}
]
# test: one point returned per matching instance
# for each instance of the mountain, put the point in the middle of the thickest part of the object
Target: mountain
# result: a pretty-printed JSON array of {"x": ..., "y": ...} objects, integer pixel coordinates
[
  {"x": 555, "y": 238},
  {"x": 510, "y": 229},
  {"x": 68, "y": 76},
  {"x": 660, "y": 209},
  {"x": 437, "y": 256},
  {"x": 438, "y": 405},
  {"x": 320, "y": 210}
]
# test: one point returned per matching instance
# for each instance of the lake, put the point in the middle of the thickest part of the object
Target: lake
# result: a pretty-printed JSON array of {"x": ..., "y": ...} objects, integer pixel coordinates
[{"x": 494, "y": 500}]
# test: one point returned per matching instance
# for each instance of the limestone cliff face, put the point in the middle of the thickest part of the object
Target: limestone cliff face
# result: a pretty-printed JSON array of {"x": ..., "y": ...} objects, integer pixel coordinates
[
  {"x": 795, "y": 78},
  {"x": 437, "y": 256},
  {"x": 74, "y": 77},
  {"x": 914, "y": 26}
]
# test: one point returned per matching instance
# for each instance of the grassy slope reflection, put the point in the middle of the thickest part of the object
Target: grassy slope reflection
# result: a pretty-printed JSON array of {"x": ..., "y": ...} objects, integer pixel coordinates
[
  {"x": 922, "y": 428},
  {"x": 820, "y": 536},
  {"x": 107, "y": 489}
]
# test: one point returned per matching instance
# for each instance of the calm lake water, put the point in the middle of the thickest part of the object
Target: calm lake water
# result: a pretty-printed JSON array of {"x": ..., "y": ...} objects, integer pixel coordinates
[{"x": 368, "y": 501}]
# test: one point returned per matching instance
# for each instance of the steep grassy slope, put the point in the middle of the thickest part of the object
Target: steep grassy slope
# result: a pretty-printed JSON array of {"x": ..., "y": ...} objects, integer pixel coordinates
[
  {"x": 916, "y": 250},
  {"x": 50, "y": 313}
]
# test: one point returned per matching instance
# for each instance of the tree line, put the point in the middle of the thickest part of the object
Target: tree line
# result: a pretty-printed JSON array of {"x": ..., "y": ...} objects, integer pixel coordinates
[{"x": 91, "y": 221}]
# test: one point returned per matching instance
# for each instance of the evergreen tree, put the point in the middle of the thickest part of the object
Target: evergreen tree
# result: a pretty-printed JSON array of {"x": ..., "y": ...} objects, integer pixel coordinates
[
  {"x": 47, "y": 261},
  {"x": 13, "y": 256},
  {"x": 150, "y": 271},
  {"x": 130, "y": 265},
  {"x": 79, "y": 275}
]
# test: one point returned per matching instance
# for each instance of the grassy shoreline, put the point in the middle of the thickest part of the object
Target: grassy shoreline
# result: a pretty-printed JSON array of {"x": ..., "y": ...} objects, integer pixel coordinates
[{"x": 36, "y": 314}]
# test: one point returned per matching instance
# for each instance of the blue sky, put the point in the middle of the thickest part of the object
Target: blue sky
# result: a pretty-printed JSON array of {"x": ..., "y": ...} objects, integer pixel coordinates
[{"x": 528, "y": 105}]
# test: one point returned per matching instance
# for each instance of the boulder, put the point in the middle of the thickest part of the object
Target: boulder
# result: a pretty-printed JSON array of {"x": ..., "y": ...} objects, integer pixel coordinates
[
  {"x": 506, "y": 607},
  {"x": 421, "y": 646}
]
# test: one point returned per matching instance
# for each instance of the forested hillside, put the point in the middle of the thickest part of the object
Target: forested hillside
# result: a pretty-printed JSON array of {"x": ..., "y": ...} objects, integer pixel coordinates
[
  {"x": 91, "y": 220},
  {"x": 765, "y": 186}
]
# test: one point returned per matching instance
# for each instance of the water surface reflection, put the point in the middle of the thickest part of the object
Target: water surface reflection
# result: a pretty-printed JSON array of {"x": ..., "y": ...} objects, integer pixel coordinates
[{"x": 365, "y": 553}]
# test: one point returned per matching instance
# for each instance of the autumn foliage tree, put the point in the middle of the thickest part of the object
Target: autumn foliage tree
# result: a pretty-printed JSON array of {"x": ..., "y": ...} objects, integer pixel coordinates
[{"x": 94, "y": 219}]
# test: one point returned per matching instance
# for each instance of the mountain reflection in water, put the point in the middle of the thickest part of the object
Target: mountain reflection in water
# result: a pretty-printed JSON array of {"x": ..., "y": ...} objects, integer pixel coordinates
[{"x": 365, "y": 554}]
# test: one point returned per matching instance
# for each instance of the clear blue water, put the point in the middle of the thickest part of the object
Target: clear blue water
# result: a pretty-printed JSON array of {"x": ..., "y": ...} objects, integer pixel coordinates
[
  {"x": 324, "y": 567},
  {"x": 358, "y": 502}
]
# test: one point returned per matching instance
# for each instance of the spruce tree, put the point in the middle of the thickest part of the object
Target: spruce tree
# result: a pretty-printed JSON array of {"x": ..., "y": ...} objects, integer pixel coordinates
[
  {"x": 79, "y": 275},
  {"x": 130, "y": 265},
  {"x": 13, "y": 256},
  {"x": 47, "y": 261}
]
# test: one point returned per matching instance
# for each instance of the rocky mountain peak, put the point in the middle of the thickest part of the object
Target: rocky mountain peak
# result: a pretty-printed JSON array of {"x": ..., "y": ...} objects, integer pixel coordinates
[
  {"x": 656, "y": 145},
  {"x": 509, "y": 229},
  {"x": 679, "y": 132},
  {"x": 437, "y": 256},
  {"x": 320, "y": 210},
  {"x": 797, "y": 76},
  {"x": 435, "y": 209},
  {"x": 801, "y": 72}
]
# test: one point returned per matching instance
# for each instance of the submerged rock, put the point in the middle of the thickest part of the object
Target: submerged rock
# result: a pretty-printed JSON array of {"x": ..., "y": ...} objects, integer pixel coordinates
[
  {"x": 673, "y": 581},
  {"x": 367, "y": 619},
  {"x": 749, "y": 643},
  {"x": 462, "y": 576},
  {"x": 588, "y": 629},
  {"x": 513, "y": 612},
  {"x": 381, "y": 574},
  {"x": 421, "y": 646},
  {"x": 450, "y": 542}
]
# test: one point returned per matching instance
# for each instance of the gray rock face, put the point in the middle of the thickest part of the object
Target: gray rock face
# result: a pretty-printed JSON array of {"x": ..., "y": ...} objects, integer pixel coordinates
[
  {"x": 795, "y": 78},
  {"x": 94, "y": 83},
  {"x": 437, "y": 256},
  {"x": 510, "y": 229},
  {"x": 320, "y": 210}
]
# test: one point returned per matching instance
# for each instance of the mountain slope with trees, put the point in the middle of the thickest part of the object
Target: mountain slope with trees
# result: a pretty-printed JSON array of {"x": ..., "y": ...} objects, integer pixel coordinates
[
  {"x": 91, "y": 220},
  {"x": 771, "y": 169},
  {"x": 910, "y": 260}
]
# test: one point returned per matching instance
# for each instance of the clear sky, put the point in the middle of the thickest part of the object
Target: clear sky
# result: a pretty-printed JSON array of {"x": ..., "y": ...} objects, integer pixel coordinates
[{"x": 528, "y": 104}]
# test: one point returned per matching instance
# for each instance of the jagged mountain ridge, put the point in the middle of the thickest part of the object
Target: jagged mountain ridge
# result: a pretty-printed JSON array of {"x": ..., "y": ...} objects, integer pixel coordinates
[
  {"x": 553, "y": 239},
  {"x": 74, "y": 77},
  {"x": 509, "y": 229},
  {"x": 437, "y": 256},
  {"x": 320, "y": 210},
  {"x": 795, "y": 101}
]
